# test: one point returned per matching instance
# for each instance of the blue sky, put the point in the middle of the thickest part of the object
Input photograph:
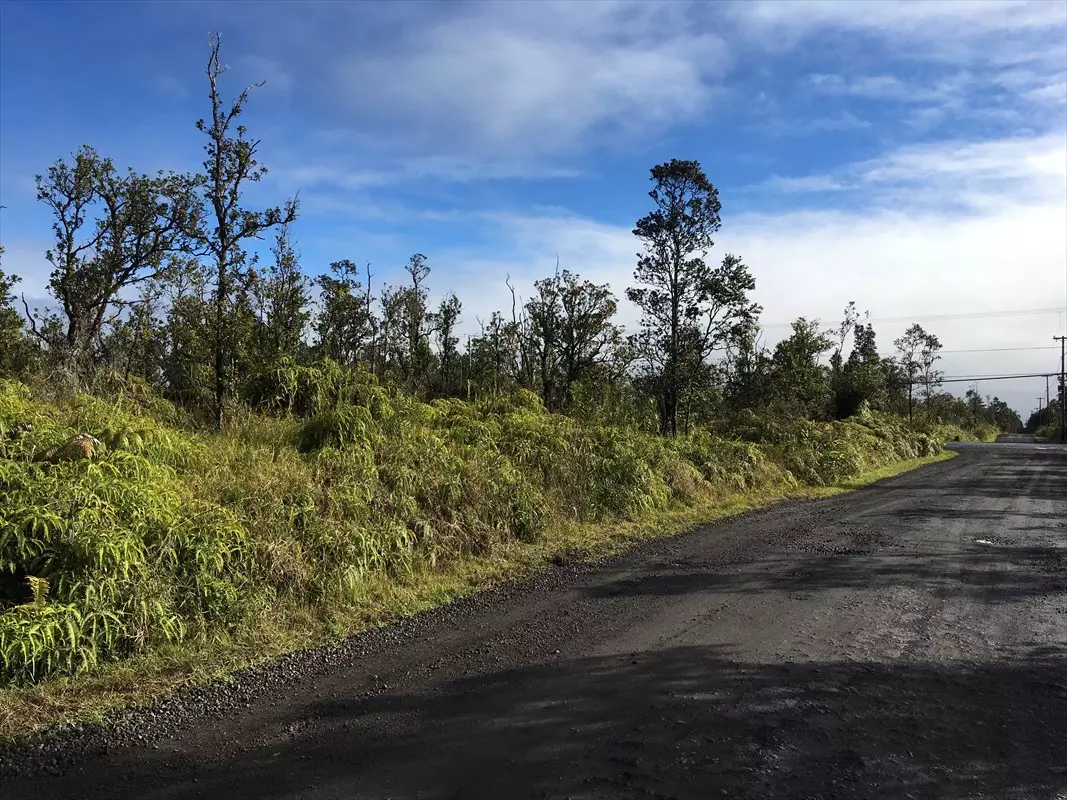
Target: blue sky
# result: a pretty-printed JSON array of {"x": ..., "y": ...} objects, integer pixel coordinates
[{"x": 910, "y": 156}]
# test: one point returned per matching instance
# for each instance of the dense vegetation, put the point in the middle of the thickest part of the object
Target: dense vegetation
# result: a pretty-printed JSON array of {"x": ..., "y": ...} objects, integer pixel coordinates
[
  {"x": 170, "y": 535},
  {"x": 1047, "y": 423},
  {"x": 269, "y": 441}
]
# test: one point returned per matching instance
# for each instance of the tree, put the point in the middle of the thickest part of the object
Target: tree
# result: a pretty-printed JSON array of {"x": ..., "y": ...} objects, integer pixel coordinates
[
  {"x": 799, "y": 383},
  {"x": 282, "y": 304},
  {"x": 847, "y": 326},
  {"x": 1004, "y": 417},
  {"x": 587, "y": 337},
  {"x": 918, "y": 354},
  {"x": 406, "y": 311},
  {"x": 143, "y": 223},
  {"x": 571, "y": 333},
  {"x": 544, "y": 312},
  {"x": 494, "y": 356},
  {"x": 230, "y": 164},
  {"x": 864, "y": 375},
  {"x": 346, "y": 325},
  {"x": 443, "y": 324},
  {"x": 16, "y": 350},
  {"x": 689, "y": 309},
  {"x": 135, "y": 345},
  {"x": 748, "y": 374},
  {"x": 190, "y": 339},
  {"x": 929, "y": 354}
]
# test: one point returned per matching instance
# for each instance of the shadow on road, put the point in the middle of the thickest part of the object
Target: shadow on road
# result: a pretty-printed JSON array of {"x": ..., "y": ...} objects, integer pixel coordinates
[
  {"x": 991, "y": 574},
  {"x": 1024, "y": 472},
  {"x": 678, "y": 723}
]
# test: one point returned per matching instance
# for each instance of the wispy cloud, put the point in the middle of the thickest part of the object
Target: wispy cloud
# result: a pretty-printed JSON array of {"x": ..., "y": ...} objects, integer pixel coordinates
[
  {"x": 947, "y": 175},
  {"x": 802, "y": 184},
  {"x": 1052, "y": 93},
  {"x": 172, "y": 87},
  {"x": 989, "y": 63},
  {"x": 342, "y": 173},
  {"x": 267, "y": 70},
  {"x": 888, "y": 87},
  {"x": 489, "y": 89},
  {"x": 538, "y": 78},
  {"x": 782, "y": 125},
  {"x": 877, "y": 86},
  {"x": 945, "y": 28}
]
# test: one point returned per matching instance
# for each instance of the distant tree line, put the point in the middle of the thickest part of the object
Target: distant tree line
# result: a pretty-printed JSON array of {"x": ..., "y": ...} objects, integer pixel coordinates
[{"x": 153, "y": 279}]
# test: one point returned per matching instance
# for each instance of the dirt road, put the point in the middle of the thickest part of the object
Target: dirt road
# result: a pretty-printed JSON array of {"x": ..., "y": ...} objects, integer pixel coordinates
[{"x": 906, "y": 640}]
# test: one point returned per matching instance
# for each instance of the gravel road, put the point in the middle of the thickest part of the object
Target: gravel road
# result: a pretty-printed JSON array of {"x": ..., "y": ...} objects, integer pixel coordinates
[{"x": 905, "y": 640}]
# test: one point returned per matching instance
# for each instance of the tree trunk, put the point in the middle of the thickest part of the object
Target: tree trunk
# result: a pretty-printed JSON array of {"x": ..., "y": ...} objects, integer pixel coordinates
[
  {"x": 669, "y": 412},
  {"x": 220, "y": 356}
]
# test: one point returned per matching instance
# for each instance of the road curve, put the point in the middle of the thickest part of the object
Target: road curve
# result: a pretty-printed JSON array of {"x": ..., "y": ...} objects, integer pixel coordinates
[{"x": 905, "y": 640}]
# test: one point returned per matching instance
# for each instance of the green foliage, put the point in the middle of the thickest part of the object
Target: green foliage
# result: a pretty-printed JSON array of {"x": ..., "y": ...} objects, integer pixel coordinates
[
  {"x": 141, "y": 224},
  {"x": 131, "y": 556},
  {"x": 170, "y": 535},
  {"x": 824, "y": 453},
  {"x": 801, "y": 385},
  {"x": 689, "y": 309},
  {"x": 17, "y": 352}
]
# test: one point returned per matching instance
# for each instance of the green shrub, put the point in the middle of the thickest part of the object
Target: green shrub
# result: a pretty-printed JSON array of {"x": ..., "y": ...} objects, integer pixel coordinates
[{"x": 171, "y": 534}]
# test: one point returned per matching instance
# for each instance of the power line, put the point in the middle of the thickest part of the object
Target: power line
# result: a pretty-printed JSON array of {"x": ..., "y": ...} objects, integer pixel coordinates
[
  {"x": 1022, "y": 312},
  {"x": 976, "y": 315},
  {"x": 985, "y": 350},
  {"x": 972, "y": 378},
  {"x": 999, "y": 349}
]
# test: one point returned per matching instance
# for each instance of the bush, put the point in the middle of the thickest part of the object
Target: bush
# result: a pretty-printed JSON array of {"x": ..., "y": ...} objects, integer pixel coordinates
[{"x": 170, "y": 534}]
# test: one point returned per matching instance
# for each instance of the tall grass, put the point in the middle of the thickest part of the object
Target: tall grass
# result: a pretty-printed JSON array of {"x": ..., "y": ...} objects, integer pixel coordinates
[{"x": 171, "y": 536}]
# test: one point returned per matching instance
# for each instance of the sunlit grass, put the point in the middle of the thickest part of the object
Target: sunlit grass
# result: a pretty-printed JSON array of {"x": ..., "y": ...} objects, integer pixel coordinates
[{"x": 177, "y": 556}]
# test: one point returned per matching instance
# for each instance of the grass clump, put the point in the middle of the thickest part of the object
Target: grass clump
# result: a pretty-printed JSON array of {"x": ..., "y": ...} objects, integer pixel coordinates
[{"x": 174, "y": 538}]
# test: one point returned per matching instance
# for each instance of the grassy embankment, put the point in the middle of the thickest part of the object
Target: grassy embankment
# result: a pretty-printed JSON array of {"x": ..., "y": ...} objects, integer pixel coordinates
[
  {"x": 176, "y": 555},
  {"x": 1050, "y": 433}
]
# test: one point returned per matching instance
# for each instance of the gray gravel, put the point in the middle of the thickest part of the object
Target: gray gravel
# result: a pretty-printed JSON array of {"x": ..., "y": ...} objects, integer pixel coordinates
[{"x": 906, "y": 640}]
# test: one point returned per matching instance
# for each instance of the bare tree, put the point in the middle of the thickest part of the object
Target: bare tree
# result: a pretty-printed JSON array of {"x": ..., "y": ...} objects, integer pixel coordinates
[{"x": 230, "y": 164}]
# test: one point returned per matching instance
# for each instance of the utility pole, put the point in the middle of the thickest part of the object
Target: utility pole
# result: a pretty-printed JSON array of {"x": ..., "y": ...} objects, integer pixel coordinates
[{"x": 1063, "y": 387}]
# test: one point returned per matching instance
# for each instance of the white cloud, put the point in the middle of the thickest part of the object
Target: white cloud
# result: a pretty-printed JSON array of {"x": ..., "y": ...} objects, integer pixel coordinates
[
  {"x": 342, "y": 174},
  {"x": 976, "y": 175},
  {"x": 536, "y": 77},
  {"x": 939, "y": 89},
  {"x": 171, "y": 86},
  {"x": 506, "y": 87},
  {"x": 784, "y": 126},
  {"x": 1053, "y": 93},
  {"x": 873, "y": 86},
  {"x": 800, "y": 185},
  {"x": 939, "y": 26},
  {"x": 983, "y": 63}
]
